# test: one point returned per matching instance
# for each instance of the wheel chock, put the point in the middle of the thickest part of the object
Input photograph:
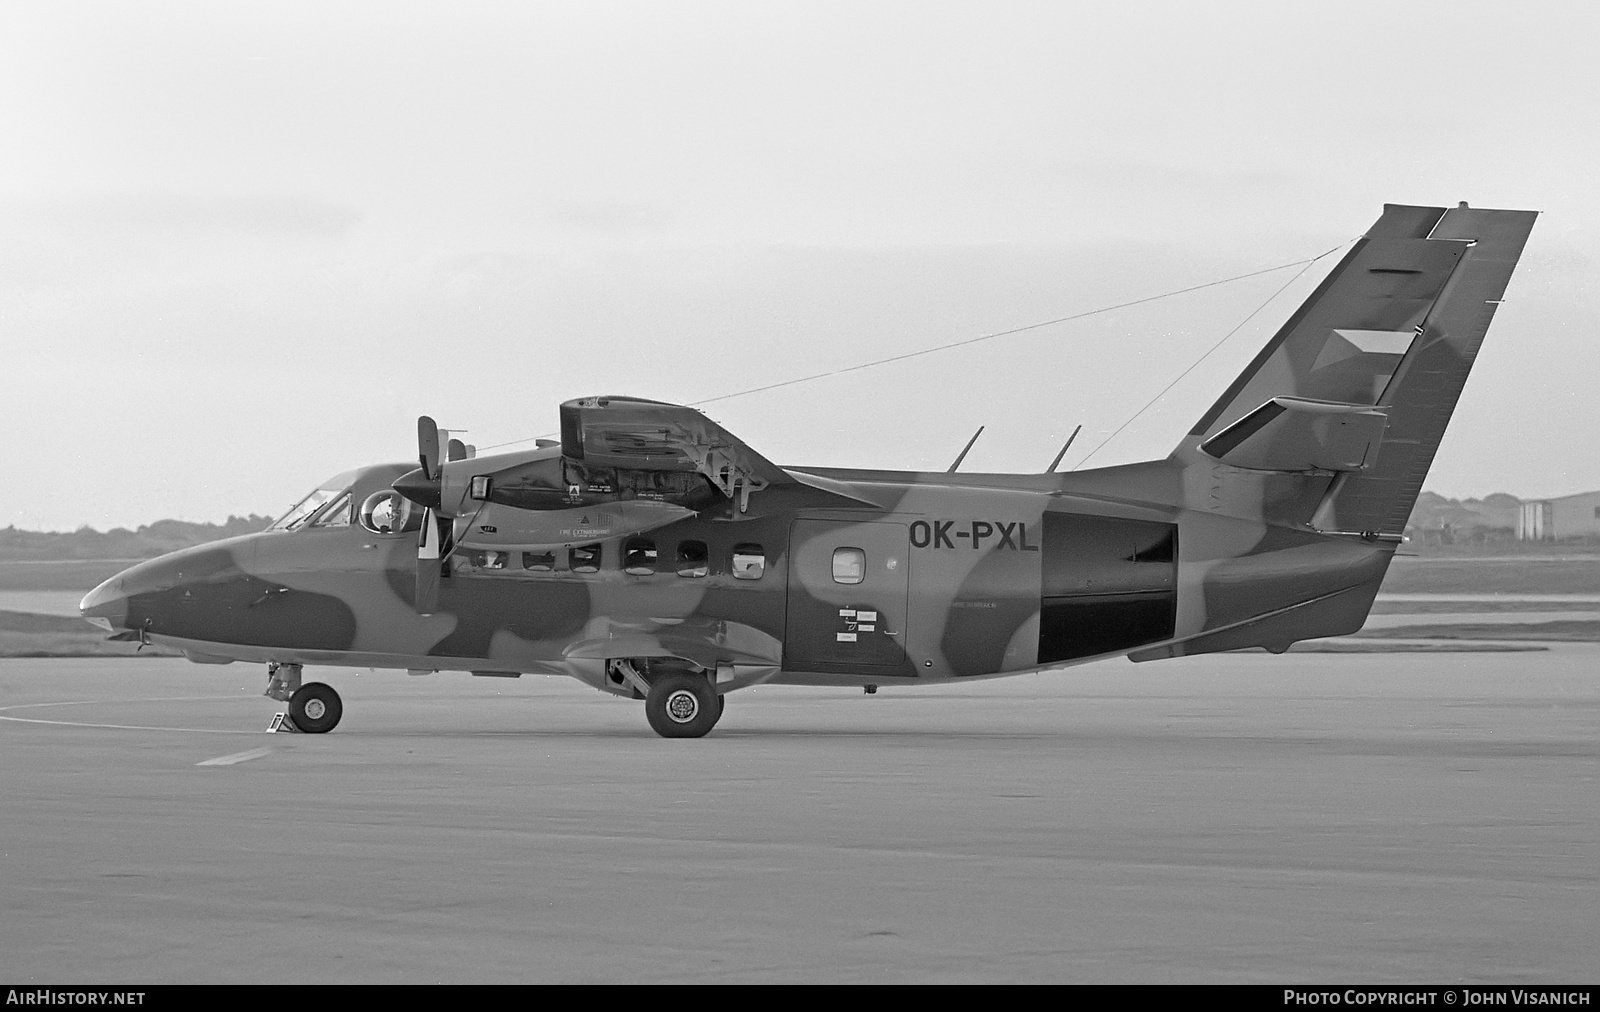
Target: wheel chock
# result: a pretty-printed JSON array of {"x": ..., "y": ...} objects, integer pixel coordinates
[{"x": 282, "y": 723}]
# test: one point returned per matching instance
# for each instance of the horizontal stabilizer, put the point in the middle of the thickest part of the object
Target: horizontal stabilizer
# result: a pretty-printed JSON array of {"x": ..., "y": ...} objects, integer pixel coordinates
[{"x": 1299, "y": 434}]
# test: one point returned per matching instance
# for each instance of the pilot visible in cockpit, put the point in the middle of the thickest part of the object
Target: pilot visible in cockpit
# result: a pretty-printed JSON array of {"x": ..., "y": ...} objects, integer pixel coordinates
[
  {"x": 385, "y": 517},
  {"x": 386, "y": 512}
]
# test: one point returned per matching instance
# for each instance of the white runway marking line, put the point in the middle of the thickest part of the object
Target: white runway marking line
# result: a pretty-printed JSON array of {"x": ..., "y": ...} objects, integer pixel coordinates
[
  {"x": 236, "y": 757},
  {"x": 127, "y": 727},
  {"x": 120, "y": 727},
  {"x": 92, "y": 702}
]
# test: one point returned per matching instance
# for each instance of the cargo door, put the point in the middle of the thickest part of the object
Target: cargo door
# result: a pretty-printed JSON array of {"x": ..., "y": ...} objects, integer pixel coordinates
[{"x": 847, "y": 598}]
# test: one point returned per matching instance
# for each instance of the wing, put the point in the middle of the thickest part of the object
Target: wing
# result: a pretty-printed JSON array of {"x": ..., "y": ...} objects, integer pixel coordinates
[{"x": 637, "y": 434}]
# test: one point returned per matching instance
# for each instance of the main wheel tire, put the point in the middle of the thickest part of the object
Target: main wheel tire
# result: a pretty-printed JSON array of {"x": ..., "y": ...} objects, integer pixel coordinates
[
  {"x": 315, "y": 708},
  {"x": 682, "y": 706}
]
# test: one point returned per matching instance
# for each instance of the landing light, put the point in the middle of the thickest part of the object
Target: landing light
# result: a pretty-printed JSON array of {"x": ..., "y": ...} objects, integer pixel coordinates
[{"x": 480, "y": 487}]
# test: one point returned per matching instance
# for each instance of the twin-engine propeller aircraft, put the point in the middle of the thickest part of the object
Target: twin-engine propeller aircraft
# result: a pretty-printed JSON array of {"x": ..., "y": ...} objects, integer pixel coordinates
[{"x": 653, "y": 555}]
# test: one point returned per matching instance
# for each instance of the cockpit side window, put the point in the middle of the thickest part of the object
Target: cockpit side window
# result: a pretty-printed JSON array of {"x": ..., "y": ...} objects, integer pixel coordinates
[
  {"x": 337, "y": 515},
  {"x": 304, "y": 510},
  {"x": 388, "y": 512}
]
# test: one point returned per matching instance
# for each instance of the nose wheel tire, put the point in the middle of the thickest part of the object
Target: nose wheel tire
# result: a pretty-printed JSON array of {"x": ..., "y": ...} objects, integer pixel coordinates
[
  {"x": 315, "y": 708},
  {"x": 682, "y": 706}
]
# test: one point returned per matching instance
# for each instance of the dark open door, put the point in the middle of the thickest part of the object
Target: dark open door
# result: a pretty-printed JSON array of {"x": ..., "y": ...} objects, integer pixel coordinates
[{"x": 847, "y": 598}]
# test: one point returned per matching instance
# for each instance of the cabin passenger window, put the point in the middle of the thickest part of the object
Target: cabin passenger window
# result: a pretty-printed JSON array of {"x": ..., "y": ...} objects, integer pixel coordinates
[
  {"x": 639, "y": 557},
  {"x": 849, "y": 565},
  {"x": 693, "y": 559},
  {"x": 585, "y": 559},
  {"x": 539, "y": 562},
  {"x": 749, "y": 561}
]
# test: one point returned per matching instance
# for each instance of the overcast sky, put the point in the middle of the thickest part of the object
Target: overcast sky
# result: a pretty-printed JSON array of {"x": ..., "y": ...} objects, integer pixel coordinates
[{"x": 243, "y": 246}]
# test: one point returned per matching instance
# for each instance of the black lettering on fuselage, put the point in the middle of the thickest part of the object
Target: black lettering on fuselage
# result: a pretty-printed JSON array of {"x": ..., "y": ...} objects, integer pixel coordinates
[{"x": 1012, "y": 534}]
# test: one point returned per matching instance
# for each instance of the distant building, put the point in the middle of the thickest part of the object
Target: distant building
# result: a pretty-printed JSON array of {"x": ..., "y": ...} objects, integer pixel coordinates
[
  {"x": 1436, "y": 520},
  {"x": 1570, "y": 516}
]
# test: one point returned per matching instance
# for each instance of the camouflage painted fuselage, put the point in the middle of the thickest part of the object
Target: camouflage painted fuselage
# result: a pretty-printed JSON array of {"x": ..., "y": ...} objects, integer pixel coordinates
[{"x": 959, "y": 576}]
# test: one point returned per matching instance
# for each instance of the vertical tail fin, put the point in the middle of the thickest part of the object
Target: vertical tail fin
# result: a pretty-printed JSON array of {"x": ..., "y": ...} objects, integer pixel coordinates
[{"x": 1362, "y": 379}]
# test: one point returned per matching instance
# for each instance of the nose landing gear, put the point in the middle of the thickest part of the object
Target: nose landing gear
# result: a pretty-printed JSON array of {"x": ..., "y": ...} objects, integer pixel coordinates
[{"x": 314, "y": 708}]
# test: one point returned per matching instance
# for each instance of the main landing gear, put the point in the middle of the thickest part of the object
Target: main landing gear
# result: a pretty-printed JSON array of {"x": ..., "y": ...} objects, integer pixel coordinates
[
  {"x": 680, "y": 700},
  {"x": 682, "y": 705},
  {"x": 314, "y": 708}
]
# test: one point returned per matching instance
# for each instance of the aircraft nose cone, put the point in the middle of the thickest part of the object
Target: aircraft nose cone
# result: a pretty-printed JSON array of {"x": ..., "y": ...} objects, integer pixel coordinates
[
  {"x": 106, "y": 602},
  {"x": 419, "y": 488}
]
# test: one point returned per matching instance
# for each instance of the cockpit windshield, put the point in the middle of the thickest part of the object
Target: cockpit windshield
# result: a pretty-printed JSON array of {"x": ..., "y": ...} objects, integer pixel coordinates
[{"x": 305, "y": 509}]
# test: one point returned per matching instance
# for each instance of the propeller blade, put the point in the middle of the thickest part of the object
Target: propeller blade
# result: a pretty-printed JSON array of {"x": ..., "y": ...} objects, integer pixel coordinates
[
  {"x": 428, "y": 446},
  {"x": 429, "y": 549},
  {"x": 456, "y": 450}
]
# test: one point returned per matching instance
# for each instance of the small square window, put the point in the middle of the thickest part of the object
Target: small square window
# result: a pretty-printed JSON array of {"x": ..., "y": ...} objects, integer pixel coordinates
[
  {"x": 585, "y": 559},
  {"x": 849, "y": 565},
  {"x": 749, "y": 562},
  {"x": 639, "y": 557},
  {"x": 539, "y": 562},
  {"x": 693, "y": 559}
]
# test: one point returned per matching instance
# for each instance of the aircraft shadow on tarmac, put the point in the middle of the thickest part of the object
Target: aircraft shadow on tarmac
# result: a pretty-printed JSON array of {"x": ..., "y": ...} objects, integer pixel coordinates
[{"x": 1188, "y": 739}]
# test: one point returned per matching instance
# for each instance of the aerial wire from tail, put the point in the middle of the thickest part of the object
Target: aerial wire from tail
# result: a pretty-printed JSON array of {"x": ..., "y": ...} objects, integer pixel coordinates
[{"x": 1304, "y": 265}]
